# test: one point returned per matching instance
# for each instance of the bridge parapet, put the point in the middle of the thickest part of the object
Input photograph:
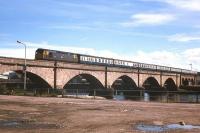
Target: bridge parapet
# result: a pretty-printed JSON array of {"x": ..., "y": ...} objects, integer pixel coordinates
[{"x": 30, "y": 62}]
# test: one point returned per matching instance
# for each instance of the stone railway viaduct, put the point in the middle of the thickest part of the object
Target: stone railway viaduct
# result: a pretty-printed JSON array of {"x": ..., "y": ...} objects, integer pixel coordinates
[{"x": 58, "y": 74}]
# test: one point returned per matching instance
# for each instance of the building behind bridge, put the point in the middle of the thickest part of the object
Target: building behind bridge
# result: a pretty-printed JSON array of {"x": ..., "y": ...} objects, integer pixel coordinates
[{"x": 198, "y": 78}]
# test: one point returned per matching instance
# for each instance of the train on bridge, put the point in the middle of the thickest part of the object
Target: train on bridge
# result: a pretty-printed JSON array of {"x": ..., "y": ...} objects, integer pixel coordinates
[{"x": 53, "y": 55}]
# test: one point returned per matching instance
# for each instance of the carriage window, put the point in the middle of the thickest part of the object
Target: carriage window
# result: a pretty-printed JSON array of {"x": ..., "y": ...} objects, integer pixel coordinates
[
  {"x": 82, "y": 58},
  {"x": 92, "y": 59},
  {"x": 111, "y": 61},
  {"x": 87, "y": 59}
]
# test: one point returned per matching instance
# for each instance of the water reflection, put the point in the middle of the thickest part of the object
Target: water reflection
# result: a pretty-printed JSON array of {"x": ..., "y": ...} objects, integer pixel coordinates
[
  {"x": 164, "y": 128},
  {"x": 160, "y": 96},
  {"x": 138, "y": 95},
  {"x": 146, "y": 97},
  {"x": 27, "y": 124}
]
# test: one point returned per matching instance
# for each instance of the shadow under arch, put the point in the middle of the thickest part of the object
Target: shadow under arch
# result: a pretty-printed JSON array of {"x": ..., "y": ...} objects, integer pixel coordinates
[
  {"x": 125, "y": 87},
  {"x": 85, "y": 84},
  {"x": 192, "y": 82},
  {"x": 151, "y": 84},
  {"x": 170, "y": 85},
  {"x": 185, "y": 82},
  {"x": 33, "y": 82},
  {"x": 152, "y": 89}
]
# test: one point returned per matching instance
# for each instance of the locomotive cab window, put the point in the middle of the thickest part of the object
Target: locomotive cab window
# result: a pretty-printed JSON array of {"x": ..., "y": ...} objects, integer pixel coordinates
[{"x": 39, "y": 54}]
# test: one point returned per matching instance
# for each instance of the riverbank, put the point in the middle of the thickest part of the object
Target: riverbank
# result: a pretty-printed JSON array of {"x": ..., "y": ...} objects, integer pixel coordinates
[{"x": 36, "y": 114}]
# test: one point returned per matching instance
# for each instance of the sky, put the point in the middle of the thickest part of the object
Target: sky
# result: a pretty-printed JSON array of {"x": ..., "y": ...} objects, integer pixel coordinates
[{"x": 163, "y": 32}]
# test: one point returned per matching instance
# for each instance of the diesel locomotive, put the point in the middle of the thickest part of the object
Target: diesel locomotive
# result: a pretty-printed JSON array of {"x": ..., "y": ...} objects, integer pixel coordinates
[{"x": 53, "y": 55}]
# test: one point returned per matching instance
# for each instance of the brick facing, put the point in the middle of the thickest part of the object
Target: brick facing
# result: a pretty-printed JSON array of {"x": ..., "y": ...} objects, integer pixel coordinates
[{"x": 66, "y": 71}]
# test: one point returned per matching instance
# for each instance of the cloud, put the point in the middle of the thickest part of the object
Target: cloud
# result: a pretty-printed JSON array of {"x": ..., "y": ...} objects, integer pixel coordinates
[
  {"x": 17, "y": 52},
  {"x": 183, "y": 38},
  {"x": 156, "y": 56},
  {"x": 193, "y": 55},
  {"x": 192, "y": 5},
  {"x": 167, "y": 58},
  {"x": 142, "y": 19},
  {"x": 171, "y": 58}
]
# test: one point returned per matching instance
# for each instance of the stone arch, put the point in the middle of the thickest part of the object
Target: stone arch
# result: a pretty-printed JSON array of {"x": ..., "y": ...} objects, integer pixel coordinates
[
  {"x": 113, "y": 76},
  {"x": 86, "y": 84},
  {"x": 91, "y": 80},
  {"x": 185, "y": 82},
  {"x": 170, "y": 85},
  {"x": 153, "y": 90},
  {"x": 65, "y": 75},
  {"x": 143, "y": 77},
  {"x": 34, "y": 80},
  {"x": 188, "y": 80},
  {"x": 151, "y": 83},
  {"x": 166, "y": 77},
  {"x": 192, "y": 81},
  {"x": 124, "y": 82},
  {"x": 34, "y": 83},
  {"x": 124, "y": 87},
  {"x": 44, "y": 73}
]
